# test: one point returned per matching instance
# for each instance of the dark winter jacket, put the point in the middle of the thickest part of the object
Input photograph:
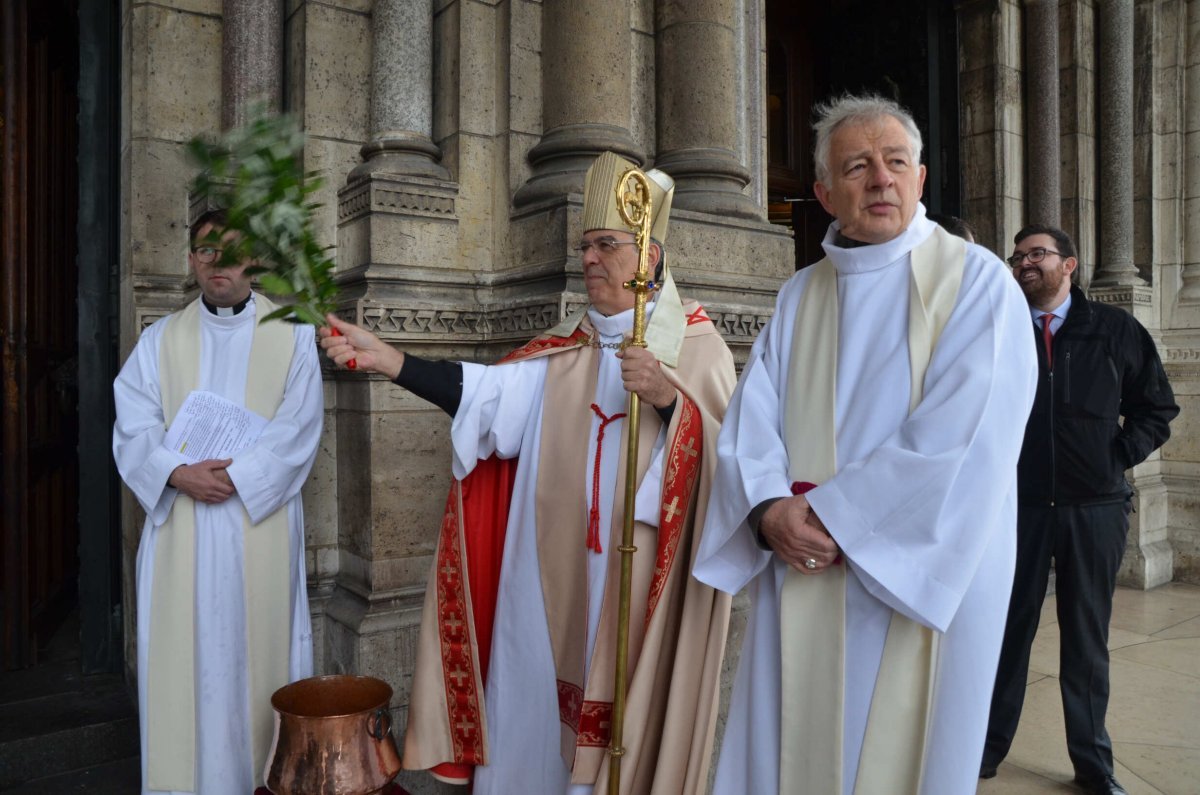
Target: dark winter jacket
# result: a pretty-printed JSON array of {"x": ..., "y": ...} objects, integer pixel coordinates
[{"x": 1076, "y": 447}]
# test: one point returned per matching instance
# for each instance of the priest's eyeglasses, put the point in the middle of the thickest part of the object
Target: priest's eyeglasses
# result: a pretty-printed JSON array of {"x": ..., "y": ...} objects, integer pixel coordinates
[
  {"x": 1034, "y": 255},
  {"x": 206, "y": 255},
  {"x": 604, "y": 245}
]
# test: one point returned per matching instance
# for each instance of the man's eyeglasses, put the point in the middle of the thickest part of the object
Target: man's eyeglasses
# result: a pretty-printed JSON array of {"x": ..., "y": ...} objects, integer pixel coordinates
[
  {"x": 207, "y": 255},
  {"x": 1034, "y": 255},
  {"x": 604, "y": 245}
]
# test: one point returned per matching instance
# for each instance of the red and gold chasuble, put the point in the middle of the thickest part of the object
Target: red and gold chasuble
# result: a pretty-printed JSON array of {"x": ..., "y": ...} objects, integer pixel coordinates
[{"x": 682, "y": 620}]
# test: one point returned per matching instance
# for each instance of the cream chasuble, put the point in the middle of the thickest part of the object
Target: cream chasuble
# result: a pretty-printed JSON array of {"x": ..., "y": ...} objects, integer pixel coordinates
[
  {"x": 171, "y": 710},
  {"x": 812, "y": 613},
  {"x": 540, "y": 725}
]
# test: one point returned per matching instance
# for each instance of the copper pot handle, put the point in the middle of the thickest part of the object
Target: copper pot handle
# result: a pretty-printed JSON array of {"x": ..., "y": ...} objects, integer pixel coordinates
[{"x": 376, "y": 723}]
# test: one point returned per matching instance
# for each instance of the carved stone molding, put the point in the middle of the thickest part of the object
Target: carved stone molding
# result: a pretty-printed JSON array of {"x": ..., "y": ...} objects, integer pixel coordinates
[
  {"x": 1181, "y": 355},
  {"x": 354, "y": 201},
  {"x": 376, "y": 194},
  {"x": 1123, "y": 295},
  {"x": 1180, "y": 373},
  {"x": 396, "y": 322},
  {"x": 1181, "y": 364},
  {"x": 509, "y": 321},
  {"x": 738, "y": 326}
]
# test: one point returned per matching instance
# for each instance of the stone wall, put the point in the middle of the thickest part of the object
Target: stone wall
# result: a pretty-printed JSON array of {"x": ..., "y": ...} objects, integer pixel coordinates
[
  {"x": 471, "y": 261},
  {"x": 992, "y": 119},
  {"x": 453, "y": 235},
  {"x": 1179, "y": 74},
  {"x": 452, "y": 139},
  {"x": 1136, "y": 247}
]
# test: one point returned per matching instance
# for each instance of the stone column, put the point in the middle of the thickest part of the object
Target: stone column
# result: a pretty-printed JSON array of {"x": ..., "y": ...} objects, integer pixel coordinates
[
  {"x": 401, "y": 92},
  {"x": 1043, "y": 185},
  {"x": 1148, "y": 555},
  {"x": 698, "y": 79},
  {"x": 1190, "y": 293},
  {"x": 586, "y": 94},
  {"x": 993, "y": 145},
  {"x": 397, "y": 207},
  {"x": 397, "y": 239},
  {"x": 251, "y": 67},
  {"x": 251, "y": 58},
  {"x": 1115, "y": 97},
  {"x": 1078, "y": 131}
]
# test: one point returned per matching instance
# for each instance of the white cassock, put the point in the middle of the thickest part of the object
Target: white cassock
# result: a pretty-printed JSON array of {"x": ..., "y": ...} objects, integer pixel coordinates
[
  {"x": 268, "y": 475},
  {"x": 501, "y": 414},
  {"x": 922, "y": 506}
]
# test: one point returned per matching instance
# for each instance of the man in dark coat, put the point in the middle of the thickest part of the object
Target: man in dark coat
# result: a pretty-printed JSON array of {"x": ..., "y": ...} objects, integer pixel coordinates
[{"x": 1103, "y": 405}]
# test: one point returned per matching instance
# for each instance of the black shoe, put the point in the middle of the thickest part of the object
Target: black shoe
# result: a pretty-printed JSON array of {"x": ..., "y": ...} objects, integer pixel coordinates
[
  {"x": 1108, "y": 785},
  {"x": 987, "y": 771}
]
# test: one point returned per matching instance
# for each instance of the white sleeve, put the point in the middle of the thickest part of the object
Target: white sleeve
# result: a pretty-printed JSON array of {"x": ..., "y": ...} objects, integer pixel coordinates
[
  {"x": 496, "y": 406},
  {"x": 647, "y": 505},
  {"x": 915, "y": 516},
  {"x": 271, "y": 471},
  {"x": 752, "y": 461},
  {"x": 140, "y": 427}
]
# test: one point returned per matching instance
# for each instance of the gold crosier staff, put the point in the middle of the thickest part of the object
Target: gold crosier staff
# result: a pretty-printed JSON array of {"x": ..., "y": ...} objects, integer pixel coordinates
[{"x": 634, "y": 205}]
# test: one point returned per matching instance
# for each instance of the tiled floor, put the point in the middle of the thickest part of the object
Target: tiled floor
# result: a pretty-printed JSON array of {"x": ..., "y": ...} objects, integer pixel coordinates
[{"x": 1154, "y": 708}]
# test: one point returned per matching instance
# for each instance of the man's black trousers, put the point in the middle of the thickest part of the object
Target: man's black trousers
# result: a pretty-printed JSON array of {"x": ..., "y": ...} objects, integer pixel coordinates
[{"x": 1086, "y": 543}]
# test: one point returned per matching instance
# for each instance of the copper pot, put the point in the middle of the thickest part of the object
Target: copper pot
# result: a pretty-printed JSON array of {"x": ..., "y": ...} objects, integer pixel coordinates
[{"x": 333, "y": 737}]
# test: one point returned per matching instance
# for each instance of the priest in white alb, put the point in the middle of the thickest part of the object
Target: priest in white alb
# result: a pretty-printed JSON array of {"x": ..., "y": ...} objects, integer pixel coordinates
[
  {"x": 222, "y": 606},
  {"x": 866, "y": 493},
  {"x": 513, "y": 687}
]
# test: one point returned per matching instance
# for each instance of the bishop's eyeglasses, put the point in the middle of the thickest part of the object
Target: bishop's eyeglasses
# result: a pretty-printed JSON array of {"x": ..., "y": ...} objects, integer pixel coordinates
[{"x": 604, "y": 245}]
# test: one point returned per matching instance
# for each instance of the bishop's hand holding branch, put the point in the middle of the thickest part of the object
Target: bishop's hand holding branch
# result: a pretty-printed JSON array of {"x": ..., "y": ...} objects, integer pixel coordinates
[{"x": 352, "y": 343}]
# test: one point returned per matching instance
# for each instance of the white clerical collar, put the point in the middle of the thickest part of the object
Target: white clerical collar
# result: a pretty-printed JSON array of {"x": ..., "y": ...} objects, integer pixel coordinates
[
  {"x": 615, "y": 325},
  {"x": 227, "y": 311},
  {"x": 860, "y": 259},
  {"x": 227, "y": 319}
]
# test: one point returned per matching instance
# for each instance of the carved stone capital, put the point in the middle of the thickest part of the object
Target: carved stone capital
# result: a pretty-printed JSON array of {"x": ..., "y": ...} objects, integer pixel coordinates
[
  {"x": 1125, "y": 296},
  {"x": 394, "y": 195}
]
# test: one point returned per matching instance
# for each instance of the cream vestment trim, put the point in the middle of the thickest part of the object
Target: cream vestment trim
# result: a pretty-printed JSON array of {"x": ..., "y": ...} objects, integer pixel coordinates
[
  {"x": 171, "y": 684},
  {"x": 812, "y": 609}
]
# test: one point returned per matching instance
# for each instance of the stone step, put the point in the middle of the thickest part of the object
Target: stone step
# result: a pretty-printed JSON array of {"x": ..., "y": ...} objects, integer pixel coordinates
[
  {"x": 54, "y": 720},
  {"x": 121, "y": 777}
]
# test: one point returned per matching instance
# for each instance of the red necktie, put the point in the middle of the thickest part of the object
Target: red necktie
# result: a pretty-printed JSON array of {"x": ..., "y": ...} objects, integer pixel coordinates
[{"x": 1047, "y": 339}]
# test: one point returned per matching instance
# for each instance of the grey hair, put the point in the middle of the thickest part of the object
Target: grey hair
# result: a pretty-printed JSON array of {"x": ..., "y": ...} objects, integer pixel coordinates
[{"x": 852, "y": 108}]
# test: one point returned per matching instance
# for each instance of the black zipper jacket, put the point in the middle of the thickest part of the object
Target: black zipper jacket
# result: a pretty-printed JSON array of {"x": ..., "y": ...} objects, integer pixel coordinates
[{"x": 1076, "y": 447}]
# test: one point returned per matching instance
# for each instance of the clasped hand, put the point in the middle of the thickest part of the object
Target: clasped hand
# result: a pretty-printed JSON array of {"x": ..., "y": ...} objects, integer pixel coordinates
[
  {"x": 205, "y": 481},
  {"x": 798, "y": 535}
]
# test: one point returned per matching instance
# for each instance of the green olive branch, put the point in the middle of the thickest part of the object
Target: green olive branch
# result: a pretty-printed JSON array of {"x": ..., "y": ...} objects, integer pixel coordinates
[{"x": 254, "y": 174}]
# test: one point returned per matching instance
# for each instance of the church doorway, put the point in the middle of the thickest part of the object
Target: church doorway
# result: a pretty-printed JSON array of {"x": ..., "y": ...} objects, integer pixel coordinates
[
  {"x": 59, "y": 558},
  {"x": 817, "y": 50}
]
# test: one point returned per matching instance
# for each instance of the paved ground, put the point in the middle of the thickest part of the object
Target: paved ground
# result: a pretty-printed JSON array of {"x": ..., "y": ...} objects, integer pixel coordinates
[
  {"x": 1154, "y": 714},
  {"x": 1154, "y": 709}
]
